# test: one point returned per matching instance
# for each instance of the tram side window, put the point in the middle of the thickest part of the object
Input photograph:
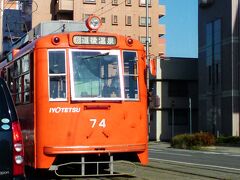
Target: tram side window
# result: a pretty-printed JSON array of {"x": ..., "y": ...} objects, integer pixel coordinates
[
  {"x": 19, "y": 81},
  {"x": 11, "y": 79},
  {"x": 57, "y": 75},
  {"x": 26, "y": 78},
  {"x": 130, "y": 75},
  {"x": 18, "y": 93}
]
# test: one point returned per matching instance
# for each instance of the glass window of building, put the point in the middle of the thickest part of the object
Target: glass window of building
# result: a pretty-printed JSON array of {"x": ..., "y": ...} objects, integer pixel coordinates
[
  {"x": 114, "y": 20},
  {"x": 128, "y": 20},
  {"x": 213, "y": 50},
  {"x": 143, "y": 40},
  {"x": 143, "y": 21},
  {"x": 128, "y": 2},
  {"x": 115, "y": 2},
  {"x": 143, "y": 2},
  {"x": 89, "y": 1}
]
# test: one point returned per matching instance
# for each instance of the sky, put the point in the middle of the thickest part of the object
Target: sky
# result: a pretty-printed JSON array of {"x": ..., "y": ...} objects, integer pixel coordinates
[{"x": 181, "y": 21}]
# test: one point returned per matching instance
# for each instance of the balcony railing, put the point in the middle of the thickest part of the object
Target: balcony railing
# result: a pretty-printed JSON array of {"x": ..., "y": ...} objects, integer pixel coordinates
[
  {"x": 162, "y": 10},
  {"x": 161, "y": 29}
]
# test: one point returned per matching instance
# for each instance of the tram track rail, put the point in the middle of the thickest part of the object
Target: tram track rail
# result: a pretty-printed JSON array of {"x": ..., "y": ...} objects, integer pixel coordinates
[{"x": 158, "y": 169}]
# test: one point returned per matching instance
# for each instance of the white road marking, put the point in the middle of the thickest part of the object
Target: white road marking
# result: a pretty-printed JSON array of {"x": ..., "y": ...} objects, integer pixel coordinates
[
  {"x": 195, "y": 164},
  {"x": 234, "y": 155},
  {"x": 160, "y": 151},
  {"x": 200, "y": 152},
  {"x": 217, "y": 153}
]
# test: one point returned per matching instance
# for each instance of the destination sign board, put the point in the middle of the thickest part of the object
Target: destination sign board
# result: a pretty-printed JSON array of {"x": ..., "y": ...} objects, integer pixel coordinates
[{"x": 94, "y": 40}]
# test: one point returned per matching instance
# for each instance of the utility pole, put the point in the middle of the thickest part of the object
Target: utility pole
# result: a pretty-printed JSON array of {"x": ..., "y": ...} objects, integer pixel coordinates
[
  {"x": 173, "y": 104},
  {"x": 147, "y": 58},
  {"x": 190, "y": 115},
  {"x": 147, "y": 40}
]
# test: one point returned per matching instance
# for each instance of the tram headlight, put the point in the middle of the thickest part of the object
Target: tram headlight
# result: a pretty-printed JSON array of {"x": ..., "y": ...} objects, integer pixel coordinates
[{"x": 93, "y": 23}]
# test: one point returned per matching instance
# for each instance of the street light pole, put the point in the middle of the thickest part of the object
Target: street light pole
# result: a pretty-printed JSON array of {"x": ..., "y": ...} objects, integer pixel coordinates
[
  {"x": 147, "y": 40},
  {"x": 190, "y": 115},
  {"x": 147, "y": 58},
  {"x": 172, "y": 118}
]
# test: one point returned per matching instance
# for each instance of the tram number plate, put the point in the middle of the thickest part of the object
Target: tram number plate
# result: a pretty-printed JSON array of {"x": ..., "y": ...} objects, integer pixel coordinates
[{"x": 100, "y": 123}]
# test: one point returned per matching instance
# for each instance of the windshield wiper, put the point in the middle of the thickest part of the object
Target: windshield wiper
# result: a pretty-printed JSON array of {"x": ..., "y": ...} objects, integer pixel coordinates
[{"x": 99, "y": 55}]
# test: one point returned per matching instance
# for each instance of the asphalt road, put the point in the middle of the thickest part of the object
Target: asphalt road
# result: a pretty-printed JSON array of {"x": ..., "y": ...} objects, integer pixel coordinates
[
  {"x": 169, "y": 163},
  {"x": 211, "y": 159}
]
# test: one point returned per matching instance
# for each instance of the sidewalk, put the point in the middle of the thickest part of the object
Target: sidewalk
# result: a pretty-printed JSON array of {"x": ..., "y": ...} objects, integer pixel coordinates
[{"x": 221, "y": 149}]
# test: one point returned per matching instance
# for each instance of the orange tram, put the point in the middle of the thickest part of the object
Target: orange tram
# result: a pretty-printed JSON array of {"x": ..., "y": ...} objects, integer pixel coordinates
[{"x": 81, "y": 98}]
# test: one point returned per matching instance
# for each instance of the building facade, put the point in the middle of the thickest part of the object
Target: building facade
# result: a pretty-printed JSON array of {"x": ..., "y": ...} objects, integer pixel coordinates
[
  {"x": 176, "y": 85},
  {"x": 126, "y": 17},
  {"x": 14, "y": 23},
  {"x": 219, "y": 75}
]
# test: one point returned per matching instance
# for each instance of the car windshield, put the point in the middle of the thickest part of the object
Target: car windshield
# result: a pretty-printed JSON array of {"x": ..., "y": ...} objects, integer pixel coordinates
[{"x": 95, "y": 75}]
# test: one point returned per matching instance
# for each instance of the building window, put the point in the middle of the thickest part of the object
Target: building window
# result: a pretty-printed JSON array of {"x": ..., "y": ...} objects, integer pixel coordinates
[
  {"x": 57, "y": 75},
  {"x": 143, "y": 3},
  {"x": 89, "y": 1},
  {"x": 115, "y": 2},
  {"x": 128, "y": 20},
  {"x": 103, "y": 19},
  {"x": 217, "y": 48},
  {"x": 213, "y": 51},
  {"x": 142, "y": 21},
  {"x": 114, "y": 20},
  {"x": 143, "y": 40},
  {"x": 177, "y": 88},
  {"x": 209, "y": 37},
  {"x": 128, "y": 2}
]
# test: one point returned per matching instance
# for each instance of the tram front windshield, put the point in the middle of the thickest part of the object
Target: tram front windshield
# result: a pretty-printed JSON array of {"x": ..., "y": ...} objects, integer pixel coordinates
[{"x": 95, "y": 75}]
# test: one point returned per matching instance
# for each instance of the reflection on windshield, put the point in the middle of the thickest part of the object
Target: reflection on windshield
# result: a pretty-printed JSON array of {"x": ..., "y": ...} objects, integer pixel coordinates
[{"x": 95, "y": 75}]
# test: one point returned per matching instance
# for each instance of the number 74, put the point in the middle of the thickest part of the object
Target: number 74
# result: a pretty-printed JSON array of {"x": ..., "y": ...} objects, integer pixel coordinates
[{"x": 100, "y": 123}]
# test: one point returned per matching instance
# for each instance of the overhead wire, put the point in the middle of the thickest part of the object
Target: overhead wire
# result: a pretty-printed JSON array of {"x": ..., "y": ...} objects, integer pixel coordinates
[
  {"x": 102, "y": 8},
  {"x": 36, "y": 6},
  {"x": 110, "y": 8},
  {"x": 6, "y": 3}
]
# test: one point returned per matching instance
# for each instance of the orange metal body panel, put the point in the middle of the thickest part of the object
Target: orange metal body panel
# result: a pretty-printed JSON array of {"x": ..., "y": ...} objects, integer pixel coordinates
[{"x": 50, "y": 129}]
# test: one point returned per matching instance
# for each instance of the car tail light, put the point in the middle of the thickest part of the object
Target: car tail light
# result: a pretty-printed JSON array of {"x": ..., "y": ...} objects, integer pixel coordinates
[{"x": 18, "y": 153}]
